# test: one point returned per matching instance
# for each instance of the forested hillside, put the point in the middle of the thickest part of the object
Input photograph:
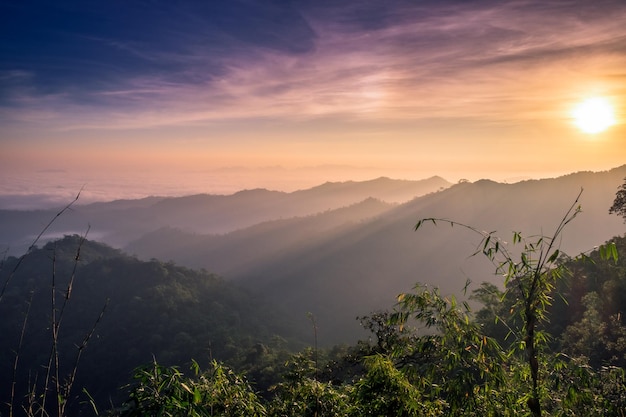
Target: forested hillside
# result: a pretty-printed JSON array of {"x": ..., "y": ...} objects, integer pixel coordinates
[
  {"x": 153, "y": 310},
  {"x": 551, "y": 342},
  {"x": 344, "y": 260},
  {"x": 426, "y": 354}
]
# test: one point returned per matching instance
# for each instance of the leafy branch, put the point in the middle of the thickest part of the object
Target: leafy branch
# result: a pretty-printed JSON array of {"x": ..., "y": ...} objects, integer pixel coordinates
[{"x": 532, "y": 273}]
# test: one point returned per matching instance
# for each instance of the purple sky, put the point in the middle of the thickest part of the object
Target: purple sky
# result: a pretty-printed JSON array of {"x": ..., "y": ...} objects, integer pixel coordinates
[{"x": 141, "y": 97}]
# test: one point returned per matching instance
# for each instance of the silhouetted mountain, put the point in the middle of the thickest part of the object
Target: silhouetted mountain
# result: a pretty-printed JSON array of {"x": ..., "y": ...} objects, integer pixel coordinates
[
  {"x": 237, "y": 251},
  {"x": 342, "y": 263},
  {"x": 363, "y": 269},
  {"x": 120, "y": 222},
  {"x": 351, "y": 270}
]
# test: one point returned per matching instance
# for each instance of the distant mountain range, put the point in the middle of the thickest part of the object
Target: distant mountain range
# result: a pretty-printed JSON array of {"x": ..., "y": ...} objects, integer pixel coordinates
[
  {"x": 341, "y": 250},
  {"x": 122, "y": 221},
  {"x": 351, "y": 261}
]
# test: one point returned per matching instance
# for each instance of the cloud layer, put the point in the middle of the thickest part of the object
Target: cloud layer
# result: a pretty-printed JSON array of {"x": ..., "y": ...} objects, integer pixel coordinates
[{"x": 232, "y": 80}]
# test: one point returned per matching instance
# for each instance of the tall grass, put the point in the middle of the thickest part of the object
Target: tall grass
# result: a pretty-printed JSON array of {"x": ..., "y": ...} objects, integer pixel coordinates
[{"x": 48, "y": 394}]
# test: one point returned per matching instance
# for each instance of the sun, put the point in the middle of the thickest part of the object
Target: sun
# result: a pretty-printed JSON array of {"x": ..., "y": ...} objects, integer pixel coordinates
[{"x": 594, "y": 115}]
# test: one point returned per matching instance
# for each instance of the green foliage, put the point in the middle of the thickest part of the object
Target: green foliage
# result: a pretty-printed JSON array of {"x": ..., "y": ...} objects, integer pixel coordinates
[
  {"x": 390, "y": 333},
  {"x": 309, "y": 397},
  {"x": 302, "y": 394},
  {"x": 584, "y": 368},
  {"x": 386, "y": 391},
  {"x": 576, "y": 389},
  {"x": 165, "y": 391},
  {"x": 591, "y": 322},
  {"x": 585, "y": 337},
  {"x": 531, "y": 269},
  {"x": 454, "y": 361},
  {"x": 494, "y": 317}
]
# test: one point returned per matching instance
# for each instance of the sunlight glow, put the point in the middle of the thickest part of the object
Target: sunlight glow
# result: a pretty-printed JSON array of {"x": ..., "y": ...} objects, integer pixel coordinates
[{"x": 594, "y": 115}]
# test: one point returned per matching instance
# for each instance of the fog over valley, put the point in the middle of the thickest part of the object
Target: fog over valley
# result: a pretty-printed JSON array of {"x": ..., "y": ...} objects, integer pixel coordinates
[{"x": 340, "y": 249}]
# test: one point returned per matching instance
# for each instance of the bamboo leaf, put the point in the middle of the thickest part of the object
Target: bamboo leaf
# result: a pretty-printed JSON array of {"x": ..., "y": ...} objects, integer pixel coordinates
[
  {"x": 609, "y": 252},
  {"x": 554, "y": 256}
]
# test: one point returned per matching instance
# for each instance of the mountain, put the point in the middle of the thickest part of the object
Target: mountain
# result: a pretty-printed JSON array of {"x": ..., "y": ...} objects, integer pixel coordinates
[
  {"x": 234, "y": 253},
  {"x": 338, "y": 262},
  {"x": 119, "y": 222},
  {"x": 354, "y": 268},
  {"x": 153, "y": 310}
]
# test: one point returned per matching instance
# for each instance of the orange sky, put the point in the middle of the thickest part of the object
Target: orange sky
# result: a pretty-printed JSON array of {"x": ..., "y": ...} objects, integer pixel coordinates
[{"x": 321, "y": 90}]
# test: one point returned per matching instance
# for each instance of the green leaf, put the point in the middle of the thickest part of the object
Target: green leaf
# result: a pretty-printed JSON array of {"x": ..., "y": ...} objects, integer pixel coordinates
[
  {"x": 487, "y": 240},
  {"x": 524, "y": 259},
  {"x": 554, "y": 256},
  {"x": 608, "y": 252}
]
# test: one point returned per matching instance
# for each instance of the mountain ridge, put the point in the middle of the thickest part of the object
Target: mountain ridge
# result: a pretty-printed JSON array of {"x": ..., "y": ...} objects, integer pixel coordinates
[
  {"x": 122, "y": 221},
  {"x": 361, "y": 266},
  {"x": 345, "y": 262},
  {"x": 364, "y": 269}
]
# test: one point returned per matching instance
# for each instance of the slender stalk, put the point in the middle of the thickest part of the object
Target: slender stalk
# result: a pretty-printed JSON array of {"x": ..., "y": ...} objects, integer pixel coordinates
[
  {"x": 32, "y": 245},
  {"x": 34, "y": 407},
  {"x": 79, "y": 352},
  {"x": 29, "y": 409},
  {"x": 57, "y": 318},
  {"x": 70, "y": 284},
  {"x": 53, "y": 348},
  {"x": 17, "y": 355},
  {"x": 532, "y": 304}
]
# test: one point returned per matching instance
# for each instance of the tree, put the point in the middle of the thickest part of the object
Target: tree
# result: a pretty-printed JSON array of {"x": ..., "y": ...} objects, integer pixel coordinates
[
  {"x": 619, "y": 204},
  {"x": 530, "y": 275},
  {"x": 389, "y": 335},
  {"x": 493, "y": 317},
  {"x": 586, "y": 337}
]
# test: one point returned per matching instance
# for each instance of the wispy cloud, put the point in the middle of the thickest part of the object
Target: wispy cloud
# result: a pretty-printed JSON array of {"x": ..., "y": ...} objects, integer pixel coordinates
[{"x": 382, "y": 61}]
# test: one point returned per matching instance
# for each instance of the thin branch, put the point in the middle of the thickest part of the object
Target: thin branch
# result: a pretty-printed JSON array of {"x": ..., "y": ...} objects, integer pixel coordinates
[
  {"x": 568, "y": 217},
  {"x": 79, "y": 352},
  {"x": 17, "y": 355},
  {"x": 54, "y": 328},
  {"x": 57, "y": 318},
  {"x": 32, "y": 245},
  {"x": 70, "y": 285}
]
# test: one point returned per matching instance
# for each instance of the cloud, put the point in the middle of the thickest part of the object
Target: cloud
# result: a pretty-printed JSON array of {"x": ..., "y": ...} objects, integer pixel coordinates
[
  {"x": 78, "y": 48},
  {"x": 233, "y": 60}
]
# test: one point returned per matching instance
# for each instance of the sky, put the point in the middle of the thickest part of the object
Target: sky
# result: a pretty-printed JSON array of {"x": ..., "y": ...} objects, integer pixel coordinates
[{"x": 128, "y": 99}]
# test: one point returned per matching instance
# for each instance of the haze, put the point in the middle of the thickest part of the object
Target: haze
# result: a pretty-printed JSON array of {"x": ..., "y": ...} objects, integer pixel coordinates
[{"x": 169, "y": 98}]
